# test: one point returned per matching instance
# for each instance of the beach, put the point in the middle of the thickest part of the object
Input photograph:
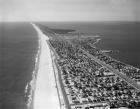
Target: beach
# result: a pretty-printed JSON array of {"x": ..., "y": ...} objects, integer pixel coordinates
[{"x": 45, "y": 96}]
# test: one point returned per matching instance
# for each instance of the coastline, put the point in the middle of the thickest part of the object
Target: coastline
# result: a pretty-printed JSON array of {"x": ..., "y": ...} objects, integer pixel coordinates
[
  {"x": 45, "y": 85},
  {"x": 129, "y": 82},
  {"x": 52, "y": 55},
  {"x": 30, "y": 87},
  {"x": 107, "y": 52}
]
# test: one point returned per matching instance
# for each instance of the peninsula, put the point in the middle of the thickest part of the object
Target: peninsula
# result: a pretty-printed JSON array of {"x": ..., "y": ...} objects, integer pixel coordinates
[{"x": 85, "y": 76}]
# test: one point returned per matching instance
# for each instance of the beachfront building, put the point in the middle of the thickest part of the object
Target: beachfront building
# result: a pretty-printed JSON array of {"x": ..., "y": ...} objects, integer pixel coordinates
[
  {"x": 91, "y": 79},
  {"x": 88, "y": 83}
]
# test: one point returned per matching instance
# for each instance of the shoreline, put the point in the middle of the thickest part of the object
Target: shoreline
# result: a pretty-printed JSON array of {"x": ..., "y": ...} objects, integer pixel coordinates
[
  {"x": 30, "y": 87},
  {"x": 45, "y": 82},
  {"x": 128, "y": 66},
  {"x": 56, "y": 69},
  {"x": 107, "y": 52},
  {"x": 113, "y": 51}
]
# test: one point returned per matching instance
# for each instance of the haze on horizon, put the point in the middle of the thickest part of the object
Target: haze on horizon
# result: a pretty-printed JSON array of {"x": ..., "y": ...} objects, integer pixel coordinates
[{"x": 69, "y": 10}]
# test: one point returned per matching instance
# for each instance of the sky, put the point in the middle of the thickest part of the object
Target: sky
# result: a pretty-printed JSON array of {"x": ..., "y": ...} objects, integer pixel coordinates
[{"x": 69, "y": 10}]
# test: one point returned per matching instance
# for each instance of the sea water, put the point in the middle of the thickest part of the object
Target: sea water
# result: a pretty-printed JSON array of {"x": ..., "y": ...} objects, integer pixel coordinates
[
  {"x": 121, "y": 36},
  {"x": 18, "y": 50}
]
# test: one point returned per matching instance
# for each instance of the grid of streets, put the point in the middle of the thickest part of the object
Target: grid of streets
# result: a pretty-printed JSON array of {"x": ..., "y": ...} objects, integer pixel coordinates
[
  {"x": 88, "y": 77},
  {"x": 87, "y": 82}
]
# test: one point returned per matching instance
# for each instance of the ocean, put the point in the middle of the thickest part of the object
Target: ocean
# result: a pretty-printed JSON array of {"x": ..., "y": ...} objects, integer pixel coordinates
[
  {"x": 119, "y": 36},
  {"x": 18, "y": 49}
]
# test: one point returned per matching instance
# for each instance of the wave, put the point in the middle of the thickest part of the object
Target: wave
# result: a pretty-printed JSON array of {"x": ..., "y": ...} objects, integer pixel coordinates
[{"x": 30, "y": 87}]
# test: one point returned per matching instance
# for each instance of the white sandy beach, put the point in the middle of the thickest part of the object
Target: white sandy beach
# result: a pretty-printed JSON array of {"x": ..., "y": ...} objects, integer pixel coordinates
[{"x": 46, "y": 96}]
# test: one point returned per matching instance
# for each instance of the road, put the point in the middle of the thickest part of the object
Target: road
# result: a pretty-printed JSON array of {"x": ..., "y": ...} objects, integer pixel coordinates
[
  {"x": 124, "y": 77},
  {"x": 58, "y": 75}
]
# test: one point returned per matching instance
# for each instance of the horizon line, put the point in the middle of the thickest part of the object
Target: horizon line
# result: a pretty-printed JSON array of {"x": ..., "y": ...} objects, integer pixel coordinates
[{"x": 77, "y": 21}]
